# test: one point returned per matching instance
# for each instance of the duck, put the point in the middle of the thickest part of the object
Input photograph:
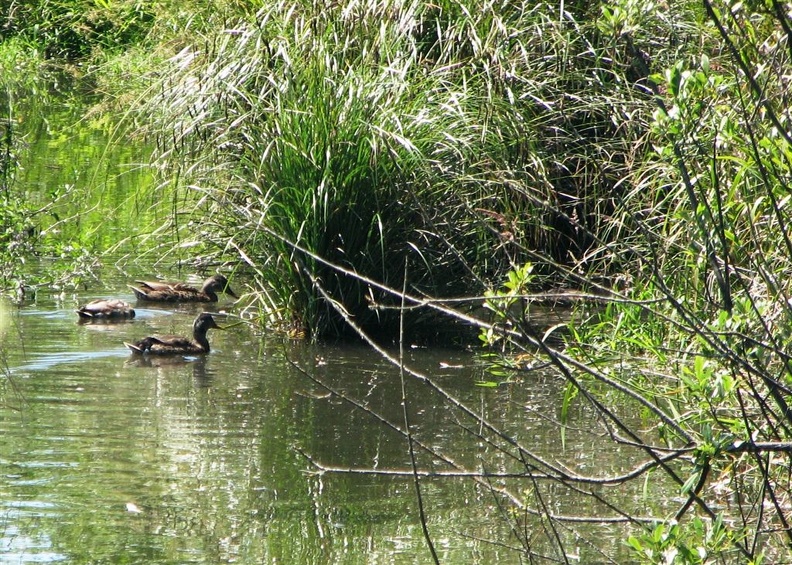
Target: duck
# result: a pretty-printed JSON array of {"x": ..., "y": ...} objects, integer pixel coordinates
[
  {"x": 181, "y": 292},
  {"x": 177, "y": 345},
  {"x": 106, "y": 309}
]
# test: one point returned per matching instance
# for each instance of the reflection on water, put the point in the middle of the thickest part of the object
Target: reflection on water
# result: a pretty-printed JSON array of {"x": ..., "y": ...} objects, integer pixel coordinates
[
  {"x": 108, "y": 457},
  {"x": 49, "y": 360},
  {"x": 18, "y": 547}
]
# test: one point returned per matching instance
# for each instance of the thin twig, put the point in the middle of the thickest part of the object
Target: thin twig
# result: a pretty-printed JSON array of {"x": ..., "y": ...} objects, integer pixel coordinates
[{"x": 408, "y": 432}]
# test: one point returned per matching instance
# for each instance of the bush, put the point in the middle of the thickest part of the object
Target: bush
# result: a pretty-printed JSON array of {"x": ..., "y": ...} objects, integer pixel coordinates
[{"x": 73, "y": 29}]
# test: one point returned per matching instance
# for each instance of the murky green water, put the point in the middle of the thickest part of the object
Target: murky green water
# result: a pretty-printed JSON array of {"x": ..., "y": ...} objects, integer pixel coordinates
[
  {"x": 109, "y": 459},
  {"x": 106, "y": 458}
]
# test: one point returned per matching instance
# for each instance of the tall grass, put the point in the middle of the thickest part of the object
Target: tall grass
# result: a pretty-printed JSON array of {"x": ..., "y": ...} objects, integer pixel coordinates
[{"x": 445, "y": 140}]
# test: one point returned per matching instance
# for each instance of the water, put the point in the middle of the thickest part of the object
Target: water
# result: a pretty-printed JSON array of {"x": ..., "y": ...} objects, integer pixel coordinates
[
  {"x": 109, "y": 458},
  {"x": 105, "y": 458},
  {"x": 188, "y": 460}
]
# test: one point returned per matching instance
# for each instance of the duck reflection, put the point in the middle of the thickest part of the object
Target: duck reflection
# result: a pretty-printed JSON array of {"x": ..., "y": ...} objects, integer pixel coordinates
[{"x": 202, "y": 376}]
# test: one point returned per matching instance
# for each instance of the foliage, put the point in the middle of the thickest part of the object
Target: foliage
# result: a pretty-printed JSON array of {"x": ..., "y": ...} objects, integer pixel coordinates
[
  {"x": 670, "y": 543},
  {"x": 709, "y": 211},
  {"x": 22, "y": 68},
  {"x": 507, "y": 303},
  {"x": 21, "y": 239},
  {"x": 430, "y": 139},
  {"x": 72, "y": 29},
  {"x": 16, "y": 227},
  {"x": 51, "y": 187}
]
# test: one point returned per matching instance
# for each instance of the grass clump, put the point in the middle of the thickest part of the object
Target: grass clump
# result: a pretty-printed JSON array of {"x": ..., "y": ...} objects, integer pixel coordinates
[{"x": 437, "y": 140}]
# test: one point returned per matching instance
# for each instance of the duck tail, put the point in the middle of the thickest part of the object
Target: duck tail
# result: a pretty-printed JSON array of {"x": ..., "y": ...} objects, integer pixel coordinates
[{"x": 140, "y": 293}]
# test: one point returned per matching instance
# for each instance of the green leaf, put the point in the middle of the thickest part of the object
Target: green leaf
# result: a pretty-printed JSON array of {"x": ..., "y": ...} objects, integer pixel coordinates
[{"x": 486, "y": 384}]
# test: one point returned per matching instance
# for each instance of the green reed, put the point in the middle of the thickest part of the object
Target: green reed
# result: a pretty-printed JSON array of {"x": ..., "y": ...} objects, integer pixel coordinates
[{"x": 386, "y": 137}]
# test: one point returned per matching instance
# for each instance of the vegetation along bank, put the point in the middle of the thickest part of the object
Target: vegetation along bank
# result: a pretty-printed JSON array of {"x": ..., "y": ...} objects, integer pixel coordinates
[{"x": 369, "y": 164}]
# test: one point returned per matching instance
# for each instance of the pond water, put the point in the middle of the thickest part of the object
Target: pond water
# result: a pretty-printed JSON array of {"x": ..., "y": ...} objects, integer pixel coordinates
[
  {"x": 110, "y": 458},
  {"x": 107, "y": 458}
]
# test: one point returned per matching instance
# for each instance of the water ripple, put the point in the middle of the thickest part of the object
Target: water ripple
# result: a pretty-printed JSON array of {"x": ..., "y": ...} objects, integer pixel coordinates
[{"x": 49, "y": 360}]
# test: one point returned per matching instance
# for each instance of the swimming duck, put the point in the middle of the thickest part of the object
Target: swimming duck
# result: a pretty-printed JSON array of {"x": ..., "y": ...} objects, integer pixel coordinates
[
  {"x": 176, "y": 345},
  {"x": 106, "y": 309},
  {"x": 182, "y": 292}
]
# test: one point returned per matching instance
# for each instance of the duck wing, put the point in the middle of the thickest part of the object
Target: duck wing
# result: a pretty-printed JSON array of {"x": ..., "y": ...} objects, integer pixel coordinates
[
  {"x": 171, "y": 340},
  {"x": 91, "y": 310},
  {"x": 166, "y": 344},
  {"x": 166, "y": 286},
  {"x": 143, "y": 345},
  {"x": 166, "y": 291}
]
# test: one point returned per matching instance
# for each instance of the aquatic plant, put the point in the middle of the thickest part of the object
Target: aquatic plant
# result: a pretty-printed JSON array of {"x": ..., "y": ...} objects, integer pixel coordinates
[{"x": 436, "y": 140}]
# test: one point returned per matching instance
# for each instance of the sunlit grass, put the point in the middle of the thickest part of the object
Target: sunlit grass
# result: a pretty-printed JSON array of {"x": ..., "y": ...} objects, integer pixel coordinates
[
  {"x": 22, "y": 66},
  {"x": 383, "y": 137}
]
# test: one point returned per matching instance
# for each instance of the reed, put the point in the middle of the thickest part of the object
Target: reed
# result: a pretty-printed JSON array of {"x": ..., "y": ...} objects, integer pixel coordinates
[{"x": 441, "y": 140}]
